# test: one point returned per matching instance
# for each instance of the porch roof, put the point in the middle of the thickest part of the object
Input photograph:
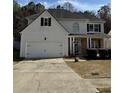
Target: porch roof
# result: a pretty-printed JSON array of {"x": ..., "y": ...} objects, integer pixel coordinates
[{"x": 93, "y": 35}]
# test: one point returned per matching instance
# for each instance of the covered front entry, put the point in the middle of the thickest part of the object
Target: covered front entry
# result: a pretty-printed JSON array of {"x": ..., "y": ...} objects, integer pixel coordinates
[{"x": 77, "y": 45}]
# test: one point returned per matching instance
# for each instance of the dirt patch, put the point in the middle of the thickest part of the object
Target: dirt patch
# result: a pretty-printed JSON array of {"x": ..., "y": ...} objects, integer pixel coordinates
[
  {"x": 104, "y": 90},
  {"x": 92, "y": 68}
]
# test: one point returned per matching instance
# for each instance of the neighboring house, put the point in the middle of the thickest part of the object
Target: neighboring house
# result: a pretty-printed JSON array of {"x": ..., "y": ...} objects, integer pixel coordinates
[
  {"x": 108, "y": 41},
  {"x": 60, "y": 33}
]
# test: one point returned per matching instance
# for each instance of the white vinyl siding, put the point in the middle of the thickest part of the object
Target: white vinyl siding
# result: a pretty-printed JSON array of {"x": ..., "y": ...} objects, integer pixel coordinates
[
  {"x": 75, "y": 27},
  {"x": 45, "y": 39}
]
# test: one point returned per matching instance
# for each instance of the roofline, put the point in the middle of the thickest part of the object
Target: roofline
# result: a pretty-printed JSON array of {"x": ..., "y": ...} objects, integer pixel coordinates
[
  {"x": 86, "y": 20},
  {"x": 32, "y": 21},
  {"x": 80, "y": 19},
  {"x": 92, "y": 35},
  {"x": 40, "y": 15},
  {"x": 59, "y": 22}
]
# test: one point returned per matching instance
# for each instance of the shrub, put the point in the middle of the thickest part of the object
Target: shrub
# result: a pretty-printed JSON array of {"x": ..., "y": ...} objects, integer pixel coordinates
[
  {"x": 103, "y": 53},
  {"x": 91, "y": 53},
  {"x": 109, "y": 53}
]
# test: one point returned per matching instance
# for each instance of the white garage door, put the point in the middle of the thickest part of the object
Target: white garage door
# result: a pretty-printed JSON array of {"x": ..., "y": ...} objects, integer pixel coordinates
[{"x": 43, "y": 50}]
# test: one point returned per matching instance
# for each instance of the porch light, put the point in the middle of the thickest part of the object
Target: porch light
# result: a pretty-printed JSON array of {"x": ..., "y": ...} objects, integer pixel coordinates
[{"x": 98, "y": 55}]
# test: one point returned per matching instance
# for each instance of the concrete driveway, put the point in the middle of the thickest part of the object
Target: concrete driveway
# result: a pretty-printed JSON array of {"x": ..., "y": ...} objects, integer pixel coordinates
[{"x": 48, "y": 76}]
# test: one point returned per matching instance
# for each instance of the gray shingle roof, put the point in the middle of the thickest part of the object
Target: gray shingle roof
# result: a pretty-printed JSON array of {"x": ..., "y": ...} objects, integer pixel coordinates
[
  {"x": 61, "y": 13},
  {"x": 64, "y": 14}
]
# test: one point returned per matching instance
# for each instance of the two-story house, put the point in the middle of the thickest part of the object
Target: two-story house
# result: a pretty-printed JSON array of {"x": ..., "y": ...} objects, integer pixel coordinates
[{"x": 60, "y": 33}]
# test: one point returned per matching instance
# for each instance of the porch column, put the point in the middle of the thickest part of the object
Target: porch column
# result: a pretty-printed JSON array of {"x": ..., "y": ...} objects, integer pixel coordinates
[
  {"x": 73, "y": 45},
  {"x": 70, "y": 45}
]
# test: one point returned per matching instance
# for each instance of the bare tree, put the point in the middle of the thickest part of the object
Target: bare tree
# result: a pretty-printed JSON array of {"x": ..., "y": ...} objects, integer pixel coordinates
[
  {"x": 105, "y": 13},
  {"x": 68, "y": 6}
]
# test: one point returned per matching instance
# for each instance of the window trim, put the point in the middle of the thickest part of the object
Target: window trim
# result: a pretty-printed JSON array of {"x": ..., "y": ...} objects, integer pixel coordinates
[
  {"x": 93, "y": 31},
  {"x": 45, "y": 21},
  {"x": 90, "y": 28},
  {"x": 96, "y": 28},
  {"x": 95, "y": 43}
]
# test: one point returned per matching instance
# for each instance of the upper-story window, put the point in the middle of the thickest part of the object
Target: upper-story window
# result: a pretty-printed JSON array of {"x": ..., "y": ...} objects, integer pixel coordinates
[
  {"x": 93, "y": 27},
  {"x": 90, "y": 28},
  {"x": 45, "y": 21},
  {"x": 97, "y": 28},
  {"x": 76, "y": 27}
]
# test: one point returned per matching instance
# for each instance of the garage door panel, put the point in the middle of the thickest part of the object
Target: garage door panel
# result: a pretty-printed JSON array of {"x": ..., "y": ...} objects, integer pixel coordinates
[
  {"x": 44, "y": 50},
  {"x": 33, "y": 50}
]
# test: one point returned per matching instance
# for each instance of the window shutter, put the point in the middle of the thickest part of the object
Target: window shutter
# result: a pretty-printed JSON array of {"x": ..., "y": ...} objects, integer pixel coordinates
[
  {"x": 49, "y": 21},
  {"x": 42, "y": 21},
  {"x": 87, "y": 27},
  {"x": 99, "y": 27}
]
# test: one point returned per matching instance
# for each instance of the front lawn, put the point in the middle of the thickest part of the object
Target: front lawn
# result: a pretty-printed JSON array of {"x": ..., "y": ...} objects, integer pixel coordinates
[
  {"x": 104, "y": 90},
  {"x": 92, "y": 68}
]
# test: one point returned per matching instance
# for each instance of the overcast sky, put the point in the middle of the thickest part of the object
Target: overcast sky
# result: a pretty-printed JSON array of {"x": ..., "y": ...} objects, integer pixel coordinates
[{"x": 78, "y": 4}]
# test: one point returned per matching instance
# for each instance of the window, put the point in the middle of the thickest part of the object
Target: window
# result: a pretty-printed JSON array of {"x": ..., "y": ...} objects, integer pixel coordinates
[
  {"x": 96, "y": 27},
  {"x": 93, "y": 28},
  {"x": 90, "y": 27},
  {"x": 45, "y": 21},
  {"x": 92, "y": 44},
  {"x": 96, "y": 43},
  {"x": 76, "y": 27}
]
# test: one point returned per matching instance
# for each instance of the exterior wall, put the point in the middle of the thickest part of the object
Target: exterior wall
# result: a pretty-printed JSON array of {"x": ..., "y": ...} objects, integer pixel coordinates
[
  {"x": 84, "y": 43},
  {"x": 54, "y": 33},
  {"x": 107, "y": 43},
  {"x": 68, "y": 24},
  {"x": 101, "y": 41},
  {"x": 84, "y": 46}
]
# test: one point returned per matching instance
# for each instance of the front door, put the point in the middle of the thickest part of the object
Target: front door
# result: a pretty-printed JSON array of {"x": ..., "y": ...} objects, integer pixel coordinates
[{"x": 77, "y": 46}]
